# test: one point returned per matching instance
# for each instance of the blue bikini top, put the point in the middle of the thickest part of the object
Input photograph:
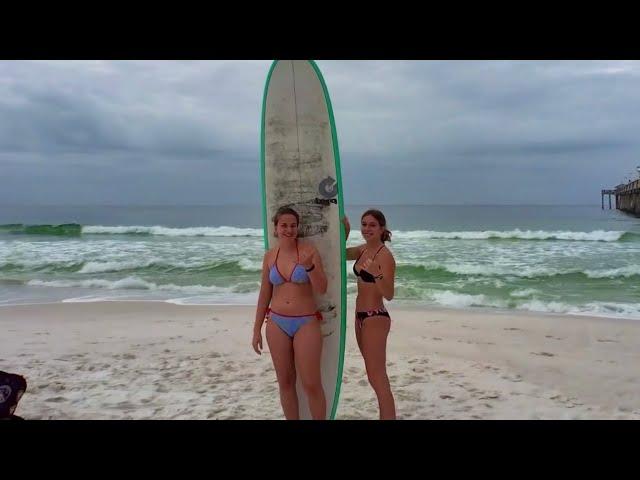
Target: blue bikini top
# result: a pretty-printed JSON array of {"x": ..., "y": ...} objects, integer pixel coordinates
[{"x": 298, "y": 275}]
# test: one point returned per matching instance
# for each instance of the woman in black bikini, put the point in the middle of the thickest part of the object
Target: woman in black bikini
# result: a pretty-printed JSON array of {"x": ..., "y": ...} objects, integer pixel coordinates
[{"x": 375, "y": 268}]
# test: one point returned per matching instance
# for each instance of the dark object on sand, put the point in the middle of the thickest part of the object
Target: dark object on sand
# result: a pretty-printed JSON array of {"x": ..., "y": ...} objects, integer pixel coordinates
[{"x": 12, "y": 387}]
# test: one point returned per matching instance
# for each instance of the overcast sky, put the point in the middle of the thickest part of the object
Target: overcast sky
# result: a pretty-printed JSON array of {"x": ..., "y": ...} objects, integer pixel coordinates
[{"x": 410, "y": 132}]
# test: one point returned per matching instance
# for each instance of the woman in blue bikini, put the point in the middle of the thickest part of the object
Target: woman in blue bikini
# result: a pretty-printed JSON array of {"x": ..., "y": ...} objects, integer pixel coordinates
[
  {"x": 375, "y": 270},
  {"x": 291, "y": 272}
]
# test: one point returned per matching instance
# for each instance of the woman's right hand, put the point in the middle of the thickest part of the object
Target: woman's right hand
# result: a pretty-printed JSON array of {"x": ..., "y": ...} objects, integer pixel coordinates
[
  {"x": 257, "y": 342},
  {"x": 347, "y": 226}
]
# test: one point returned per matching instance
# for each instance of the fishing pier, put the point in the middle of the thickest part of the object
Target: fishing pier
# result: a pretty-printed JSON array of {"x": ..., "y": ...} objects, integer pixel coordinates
[{"x": 627, "y": 197}]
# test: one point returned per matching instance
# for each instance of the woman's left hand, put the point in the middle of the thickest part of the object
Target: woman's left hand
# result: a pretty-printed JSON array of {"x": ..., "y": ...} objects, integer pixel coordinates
[
  {"x": 307, "y": 259},
  {"x": 372, "y": 267}
]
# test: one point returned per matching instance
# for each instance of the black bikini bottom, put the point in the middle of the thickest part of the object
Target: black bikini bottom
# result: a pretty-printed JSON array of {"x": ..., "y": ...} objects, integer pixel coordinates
[{"x": 362, "y": 316}]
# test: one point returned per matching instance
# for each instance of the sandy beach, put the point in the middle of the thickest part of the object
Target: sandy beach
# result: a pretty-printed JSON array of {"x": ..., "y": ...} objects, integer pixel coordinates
[{"x": 155, "y": 360}]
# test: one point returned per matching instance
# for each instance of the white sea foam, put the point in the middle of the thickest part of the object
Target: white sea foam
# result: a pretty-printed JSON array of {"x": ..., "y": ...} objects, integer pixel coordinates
[
  {"x": 593, "y": 236},
  {"x": 525, "y": 292},
  {"x": 461, "y": 300},
  {"x": 129, "y": 283},
  {"x": 628, "y": 271},
  {"x": 175, "y": 232},
  {"x": 599, "y": 309}
]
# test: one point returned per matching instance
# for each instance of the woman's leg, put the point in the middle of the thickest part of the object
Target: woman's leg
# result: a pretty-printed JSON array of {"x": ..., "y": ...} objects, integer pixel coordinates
[
  {"x": 307, "y": 347},
  {"x": 373, "y": 340},
  {"x": 358, "y": 333},
  {"x": 281, "y": 348}
]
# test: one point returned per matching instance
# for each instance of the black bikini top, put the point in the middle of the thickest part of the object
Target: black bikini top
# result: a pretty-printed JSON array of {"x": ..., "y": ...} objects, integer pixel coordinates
[{"x": 363, "y": 274}]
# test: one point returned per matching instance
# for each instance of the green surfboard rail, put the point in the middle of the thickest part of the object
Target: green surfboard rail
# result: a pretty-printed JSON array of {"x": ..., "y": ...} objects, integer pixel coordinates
[{"x": 343, "y": 253}]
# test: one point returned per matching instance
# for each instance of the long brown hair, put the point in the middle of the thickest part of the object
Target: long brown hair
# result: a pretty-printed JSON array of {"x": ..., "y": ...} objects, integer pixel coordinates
[{"x": 379, "y": 216}]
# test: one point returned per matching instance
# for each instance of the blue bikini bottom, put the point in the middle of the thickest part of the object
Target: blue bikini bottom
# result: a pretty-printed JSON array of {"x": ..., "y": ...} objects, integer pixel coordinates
[{"x": 291, "y": 324}]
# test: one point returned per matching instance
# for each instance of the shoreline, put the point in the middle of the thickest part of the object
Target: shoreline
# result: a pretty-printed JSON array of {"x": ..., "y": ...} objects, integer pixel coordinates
[{"x": 408, "y": 307}]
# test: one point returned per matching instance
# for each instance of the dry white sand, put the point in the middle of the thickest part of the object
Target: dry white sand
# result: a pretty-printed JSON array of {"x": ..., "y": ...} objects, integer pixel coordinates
[{"x": 153, "y": 360}]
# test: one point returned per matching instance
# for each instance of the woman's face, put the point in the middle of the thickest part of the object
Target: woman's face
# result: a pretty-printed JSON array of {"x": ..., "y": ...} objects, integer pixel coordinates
[
  {"x": 370, "y": 228},
  {"x": 287, "y": 226}
]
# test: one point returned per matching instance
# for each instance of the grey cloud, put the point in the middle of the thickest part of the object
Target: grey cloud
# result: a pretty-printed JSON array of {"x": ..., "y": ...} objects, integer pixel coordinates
[
  {"x": 409, "y": 131},
  {"x": 61, "y": 122},
  {"x": 544, "y": 148}
]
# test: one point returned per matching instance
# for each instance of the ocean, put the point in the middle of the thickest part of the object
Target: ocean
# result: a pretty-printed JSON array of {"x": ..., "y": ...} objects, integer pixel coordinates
[{"x": 560, "y": 259}]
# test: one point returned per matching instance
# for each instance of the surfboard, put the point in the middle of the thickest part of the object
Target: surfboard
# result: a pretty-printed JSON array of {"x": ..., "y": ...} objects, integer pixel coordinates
[{"x": 300, "y": 168}]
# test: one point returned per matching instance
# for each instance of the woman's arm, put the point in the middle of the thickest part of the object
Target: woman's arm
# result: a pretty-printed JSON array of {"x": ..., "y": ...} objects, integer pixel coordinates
[
  {"x": 312, "y": 262},
  {"x": 352, "y": 252},
  {"x": 264, "y": 298},
  {"x": 384, "y": 272},
  {"x": 386, "y": 282}
]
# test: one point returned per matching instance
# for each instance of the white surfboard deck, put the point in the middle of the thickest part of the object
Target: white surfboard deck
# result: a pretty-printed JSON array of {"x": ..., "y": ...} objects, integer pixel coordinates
[{"x": 300, "y": 167}]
